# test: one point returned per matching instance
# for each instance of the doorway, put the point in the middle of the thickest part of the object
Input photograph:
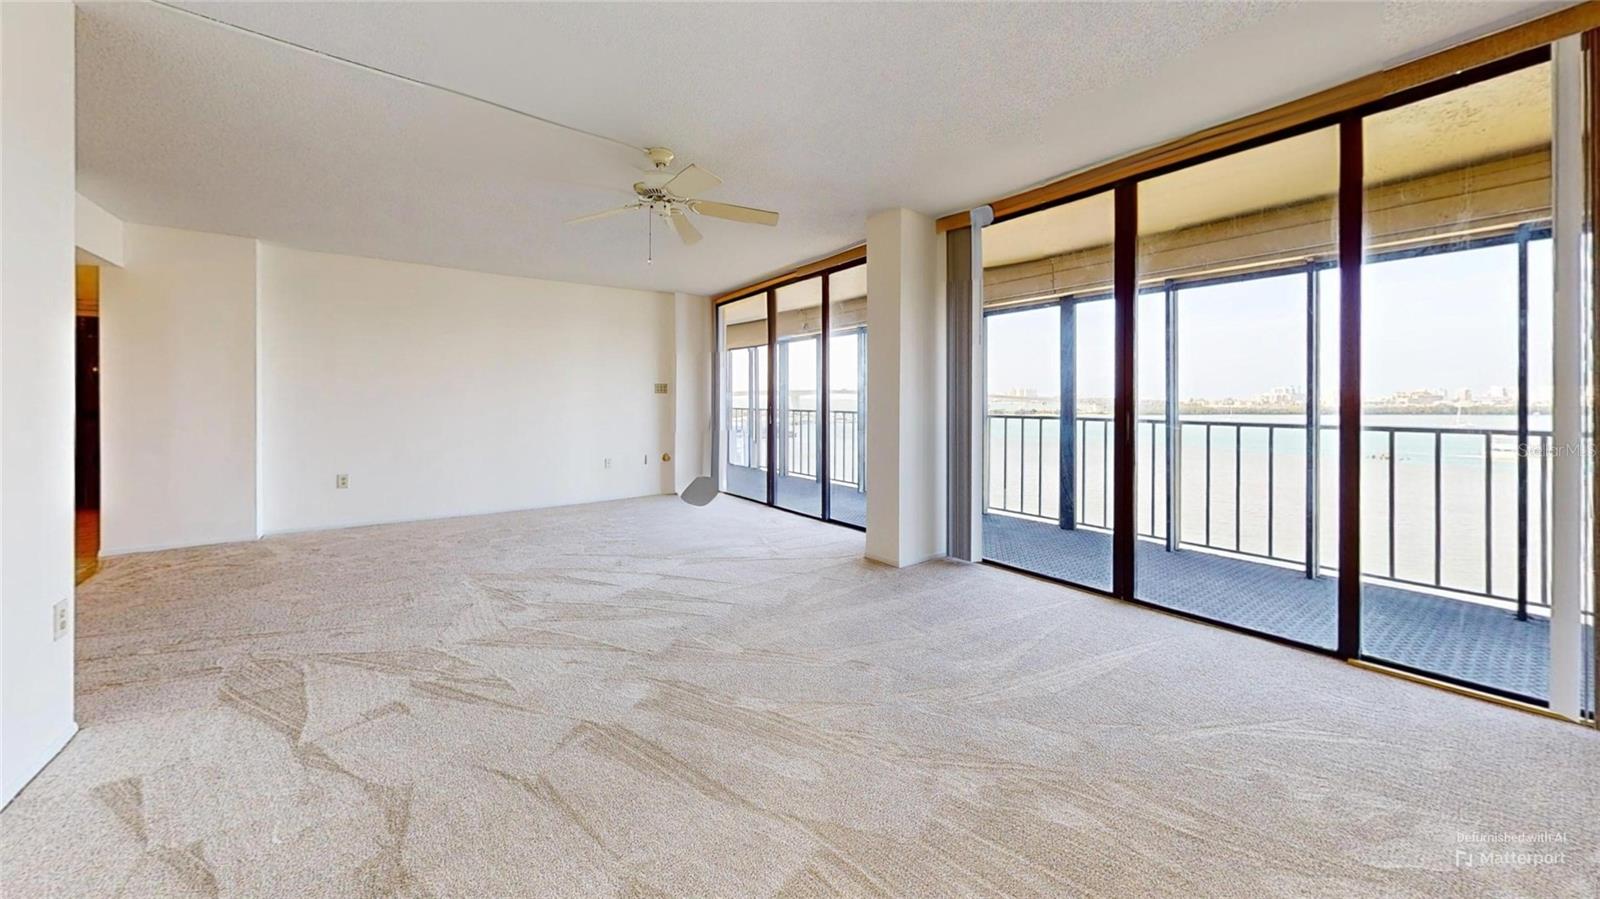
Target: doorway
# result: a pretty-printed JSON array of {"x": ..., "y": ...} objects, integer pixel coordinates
[{"x": 86, "y": 442}]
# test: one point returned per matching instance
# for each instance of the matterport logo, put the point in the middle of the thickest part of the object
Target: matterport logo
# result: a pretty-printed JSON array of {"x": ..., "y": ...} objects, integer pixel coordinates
[{"x": 1510, "y": 850}]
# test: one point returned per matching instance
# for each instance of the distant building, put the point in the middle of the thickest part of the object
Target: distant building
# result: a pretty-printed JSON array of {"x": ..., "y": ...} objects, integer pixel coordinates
[
  {"x": 1425, "y": 397},
  {"x": 1290, "y": 395}
]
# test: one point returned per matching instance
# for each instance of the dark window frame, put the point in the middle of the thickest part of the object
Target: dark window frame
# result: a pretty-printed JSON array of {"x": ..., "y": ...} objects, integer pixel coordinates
[
  {"x": 824, "y": 463},
  {"x": 1348, "y": 256}
]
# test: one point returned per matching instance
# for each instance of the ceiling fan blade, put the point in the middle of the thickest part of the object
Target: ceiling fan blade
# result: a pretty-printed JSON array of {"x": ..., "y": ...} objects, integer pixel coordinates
[
  {"x": 691, "y": 182},
  {"x": 685, "y": 228},
  {"x": 734, "y": 213},
  {"x": 601, "y": 215}
]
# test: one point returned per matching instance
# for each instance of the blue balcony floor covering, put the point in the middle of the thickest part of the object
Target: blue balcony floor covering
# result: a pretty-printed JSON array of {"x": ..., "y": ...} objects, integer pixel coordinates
[{"x": 1466, "y": 641}]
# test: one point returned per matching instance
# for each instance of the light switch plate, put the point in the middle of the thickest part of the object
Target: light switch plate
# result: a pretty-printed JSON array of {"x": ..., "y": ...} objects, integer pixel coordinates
[{"x": 61, "y": 618}]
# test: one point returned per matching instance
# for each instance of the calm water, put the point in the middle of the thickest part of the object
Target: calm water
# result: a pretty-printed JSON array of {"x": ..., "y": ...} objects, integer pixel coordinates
[{"x": 1476, "y": 532}]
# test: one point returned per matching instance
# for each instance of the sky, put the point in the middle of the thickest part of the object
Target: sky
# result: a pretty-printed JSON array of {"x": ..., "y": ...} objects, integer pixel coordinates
[
  {"x": 843, "y": 360},
  {"x": 1446, "y": 321}
]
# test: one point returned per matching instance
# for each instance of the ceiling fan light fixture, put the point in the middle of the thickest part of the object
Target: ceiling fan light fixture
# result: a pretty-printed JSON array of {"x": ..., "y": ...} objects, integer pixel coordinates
[{"x": 674, "y": 196}]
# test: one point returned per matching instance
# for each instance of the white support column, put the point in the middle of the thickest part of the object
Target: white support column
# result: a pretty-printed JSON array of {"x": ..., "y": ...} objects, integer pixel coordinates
[
  {"x": 1570, "y": 456},
  {"x": 906, "y": 445}
]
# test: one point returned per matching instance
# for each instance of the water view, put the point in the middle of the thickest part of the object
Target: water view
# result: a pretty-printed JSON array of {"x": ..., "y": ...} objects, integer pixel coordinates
[{"x": 1256, "y": 499}]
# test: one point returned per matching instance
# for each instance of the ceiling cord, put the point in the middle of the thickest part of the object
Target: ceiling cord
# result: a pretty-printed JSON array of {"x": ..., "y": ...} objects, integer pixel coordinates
[{"x": 240, "y": 29}]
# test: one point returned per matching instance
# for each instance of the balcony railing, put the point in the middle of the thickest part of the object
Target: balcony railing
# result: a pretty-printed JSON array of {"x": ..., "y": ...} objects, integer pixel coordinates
[
  {"x": 1441, "y": 510},
  {"x": 747, "y": 443},
  {"x": 797, "y": 433},
  {"x": 845, "y": 447}
]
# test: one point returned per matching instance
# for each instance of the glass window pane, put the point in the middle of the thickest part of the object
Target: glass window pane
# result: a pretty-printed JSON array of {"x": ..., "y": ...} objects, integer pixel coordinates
[
  {"x": 1048, "y": 337},
  {"x": 1236, "y": 472},
  {"x": 847, "y": 395},
  {"x": 1457, "y": 190},
  {"x": 743, "y": 327},
  {"x": 799, "y": 379}
]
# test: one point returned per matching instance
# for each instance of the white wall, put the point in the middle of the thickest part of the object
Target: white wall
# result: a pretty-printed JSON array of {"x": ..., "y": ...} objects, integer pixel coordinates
[
  {"x": 100, "y": 234},
  {"x": 177, "y": 391},
  {"x": 443, "y": 392},
  {"x": 36, "y": 384},
  {"x": 692, "y": 387},
  {"x": 906, "y": 448}
]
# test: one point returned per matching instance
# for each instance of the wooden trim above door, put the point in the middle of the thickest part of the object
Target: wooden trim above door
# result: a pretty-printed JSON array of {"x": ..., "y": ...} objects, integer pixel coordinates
[{"x": 837, "y": 260}]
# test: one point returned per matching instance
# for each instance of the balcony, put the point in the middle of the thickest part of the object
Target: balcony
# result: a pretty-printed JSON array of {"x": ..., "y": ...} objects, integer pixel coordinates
[
  {"x": 796, "y": 483},
  {"x": 1454, "y": 582},
  {"x": 1455, "y": 613}
]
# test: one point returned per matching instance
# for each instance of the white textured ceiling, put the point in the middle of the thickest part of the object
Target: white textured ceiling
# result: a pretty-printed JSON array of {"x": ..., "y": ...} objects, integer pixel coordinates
[{"x": 823, "y": 112}]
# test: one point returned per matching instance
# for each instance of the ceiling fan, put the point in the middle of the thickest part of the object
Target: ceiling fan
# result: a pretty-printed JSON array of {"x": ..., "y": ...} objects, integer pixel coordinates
[{"x": 673, "y": 196}]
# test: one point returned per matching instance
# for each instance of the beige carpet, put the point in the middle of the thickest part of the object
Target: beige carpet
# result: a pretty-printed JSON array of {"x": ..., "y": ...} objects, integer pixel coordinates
[{"x": 643, "y": 698}]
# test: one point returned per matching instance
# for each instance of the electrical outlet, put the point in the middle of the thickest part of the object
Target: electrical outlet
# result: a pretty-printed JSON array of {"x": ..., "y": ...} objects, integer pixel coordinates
[
  {"x": 61, "y": 618},
  {"x": 608, "y": 461},
  {"x": 341, "y": 481}
]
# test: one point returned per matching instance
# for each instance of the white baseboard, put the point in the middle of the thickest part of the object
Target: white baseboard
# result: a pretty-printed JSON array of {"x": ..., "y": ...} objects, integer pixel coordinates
[
  {"x": 509, "y": 510},
  {"x": 106, "y": 552},
  {"x": 906, "y": 563}
]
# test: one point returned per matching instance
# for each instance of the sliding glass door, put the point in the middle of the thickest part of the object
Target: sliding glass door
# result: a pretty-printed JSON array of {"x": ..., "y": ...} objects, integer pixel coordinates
[
  {"x": 791, "y": 395},
  {"x": 1456, "y": 384},
  {"x": 1048, "y": 329},
  {"x": 742, "y": 326},
  {"x": 1310, "y": 388},
  {"x": 799, "y": 424},
  {"x": 1237, "y": 293},
  {"x": 847, "y": 395}
]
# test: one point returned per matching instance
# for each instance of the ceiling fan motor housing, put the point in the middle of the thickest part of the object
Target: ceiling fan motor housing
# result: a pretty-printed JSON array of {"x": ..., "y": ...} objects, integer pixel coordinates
[{"x": 652, "y": 194}]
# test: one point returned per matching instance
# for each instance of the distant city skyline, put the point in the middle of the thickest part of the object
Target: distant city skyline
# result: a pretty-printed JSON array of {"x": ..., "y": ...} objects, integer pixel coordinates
[{"x": 1294, "y": 395}]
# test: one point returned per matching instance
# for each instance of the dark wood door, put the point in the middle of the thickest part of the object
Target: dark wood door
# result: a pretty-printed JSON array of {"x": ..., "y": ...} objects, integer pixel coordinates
[{"x": 87, "y": 493}]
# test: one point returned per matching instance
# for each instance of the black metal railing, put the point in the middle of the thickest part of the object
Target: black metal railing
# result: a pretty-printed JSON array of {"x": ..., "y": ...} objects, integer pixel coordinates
[
  {"x": 844, "y": 447},
  {"x": 1456, "y": 452},
  {"x": 1029, "y": 477},
  {"x": 1233, "y": 487},
  {"x": 747, "y": 438},
  {"x": 797, "y": 430}
]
